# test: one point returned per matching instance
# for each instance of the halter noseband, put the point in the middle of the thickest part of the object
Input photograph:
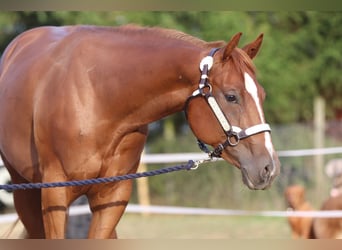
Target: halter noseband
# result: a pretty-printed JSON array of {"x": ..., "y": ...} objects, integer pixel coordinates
[{"x": 234, "y": 134}]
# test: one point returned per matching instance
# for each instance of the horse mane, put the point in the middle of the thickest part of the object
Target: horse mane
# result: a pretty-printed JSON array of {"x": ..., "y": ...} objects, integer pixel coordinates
[
  {"x": 239, "y": 58},
  {"x": 172, "y": 34}
]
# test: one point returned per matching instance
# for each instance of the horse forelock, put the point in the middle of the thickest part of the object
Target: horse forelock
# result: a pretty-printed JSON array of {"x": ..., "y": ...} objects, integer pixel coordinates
[{"x": 242, "y": 62}]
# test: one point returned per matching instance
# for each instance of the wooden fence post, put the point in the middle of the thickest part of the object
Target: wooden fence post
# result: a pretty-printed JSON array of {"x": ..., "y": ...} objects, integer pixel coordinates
[
  {"x": 319, "y": 131},
  {"x": 143, "y": 191}
]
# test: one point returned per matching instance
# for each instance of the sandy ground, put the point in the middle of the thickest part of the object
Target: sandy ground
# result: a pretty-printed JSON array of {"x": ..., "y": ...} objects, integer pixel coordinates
[
  {"x": 136, "y": 226},
  {"x": 14, "y": 230}
]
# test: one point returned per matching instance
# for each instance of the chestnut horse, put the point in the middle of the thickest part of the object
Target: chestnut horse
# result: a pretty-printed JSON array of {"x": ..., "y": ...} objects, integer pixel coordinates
[{"x": 76, "y": 101}]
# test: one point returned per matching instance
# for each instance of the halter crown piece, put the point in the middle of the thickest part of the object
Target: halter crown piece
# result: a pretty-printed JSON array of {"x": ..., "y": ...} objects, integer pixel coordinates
[{"x": 234, "y": 134}]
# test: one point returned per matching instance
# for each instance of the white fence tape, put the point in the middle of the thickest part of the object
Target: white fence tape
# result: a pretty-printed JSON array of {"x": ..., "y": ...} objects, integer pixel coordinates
[
  {"x": 183, "y": 157},
  {"x": 133, "y": 208},
  {"x": 228, "y": 212}
]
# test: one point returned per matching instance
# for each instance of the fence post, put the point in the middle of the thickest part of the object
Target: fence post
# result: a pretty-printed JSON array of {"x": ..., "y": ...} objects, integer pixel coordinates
[
  {"x": 319, "y": 131},
  {"x": 143, "y": 191}
]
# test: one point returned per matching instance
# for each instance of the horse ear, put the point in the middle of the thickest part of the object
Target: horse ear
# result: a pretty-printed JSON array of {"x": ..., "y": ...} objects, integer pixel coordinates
[
  {"x": 232, "y": 44},
  {"x": 253, "y": 48}
]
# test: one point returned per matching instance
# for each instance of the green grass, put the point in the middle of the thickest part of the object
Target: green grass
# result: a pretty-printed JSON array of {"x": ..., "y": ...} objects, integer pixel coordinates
[{"x": 135, "y": 226}]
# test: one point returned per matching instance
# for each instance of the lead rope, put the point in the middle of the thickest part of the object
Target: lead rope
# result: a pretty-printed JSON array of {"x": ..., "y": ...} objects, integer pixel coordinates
[{"x": 191, "y": 165}]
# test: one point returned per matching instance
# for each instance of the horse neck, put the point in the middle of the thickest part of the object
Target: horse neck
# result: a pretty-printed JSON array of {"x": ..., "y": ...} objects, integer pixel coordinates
[
  {"x": 179, "y": 78},
  {"x": 172, "y": 77}
]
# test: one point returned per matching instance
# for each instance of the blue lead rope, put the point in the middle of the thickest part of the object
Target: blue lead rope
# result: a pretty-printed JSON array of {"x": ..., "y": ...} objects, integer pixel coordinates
[{"x": 11, "y": 187}]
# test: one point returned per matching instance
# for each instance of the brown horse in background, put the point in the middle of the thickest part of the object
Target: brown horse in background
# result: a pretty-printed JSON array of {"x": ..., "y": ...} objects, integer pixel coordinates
[
  {"x": 76, "y": 101},
  {"x": 301, "y": 227},
  {"x": 331, "y": 228},
  {"x": 313, "y": 227}
]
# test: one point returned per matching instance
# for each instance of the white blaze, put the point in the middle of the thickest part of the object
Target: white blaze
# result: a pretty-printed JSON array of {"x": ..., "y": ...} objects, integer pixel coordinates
[{"x": 253, "y": 91}]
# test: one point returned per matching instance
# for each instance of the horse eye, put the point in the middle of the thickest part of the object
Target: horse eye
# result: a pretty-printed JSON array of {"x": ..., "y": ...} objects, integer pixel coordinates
[{"x": 231, "y": 98}]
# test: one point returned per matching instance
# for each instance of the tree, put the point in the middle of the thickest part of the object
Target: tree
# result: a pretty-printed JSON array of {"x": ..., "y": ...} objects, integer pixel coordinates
[{"x": 301, "y": 59}]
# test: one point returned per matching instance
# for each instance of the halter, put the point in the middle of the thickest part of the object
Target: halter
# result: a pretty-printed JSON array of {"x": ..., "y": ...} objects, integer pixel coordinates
[{"x": 234, "y": 134}]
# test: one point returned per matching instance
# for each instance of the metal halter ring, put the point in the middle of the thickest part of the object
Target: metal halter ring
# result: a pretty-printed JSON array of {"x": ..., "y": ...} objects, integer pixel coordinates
[
  {"x": 206, "y": 86},
  {"x": 236, "y": 137}
]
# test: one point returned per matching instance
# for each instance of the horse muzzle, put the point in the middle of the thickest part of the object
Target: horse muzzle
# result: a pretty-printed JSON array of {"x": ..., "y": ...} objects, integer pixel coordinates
[{"x": 260, "y": 178}]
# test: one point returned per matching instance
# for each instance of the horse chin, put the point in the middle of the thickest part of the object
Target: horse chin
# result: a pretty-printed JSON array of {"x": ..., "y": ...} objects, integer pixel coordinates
[{"x": 245, "y": 177}]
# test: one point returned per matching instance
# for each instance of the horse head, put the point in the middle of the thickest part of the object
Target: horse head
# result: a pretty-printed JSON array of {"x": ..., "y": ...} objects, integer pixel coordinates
[{"x": 226, "y": 112}]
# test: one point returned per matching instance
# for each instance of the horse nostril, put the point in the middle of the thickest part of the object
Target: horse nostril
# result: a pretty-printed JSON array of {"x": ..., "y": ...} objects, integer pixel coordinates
[{"x": 266, "y": 172}]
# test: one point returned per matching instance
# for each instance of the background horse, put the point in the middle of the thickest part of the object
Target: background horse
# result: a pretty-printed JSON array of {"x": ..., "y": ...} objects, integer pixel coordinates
[
  {"x": 76, "y": 101},
  {"x": 331, "y": 228},
  {"x": 301, "y": 227}
]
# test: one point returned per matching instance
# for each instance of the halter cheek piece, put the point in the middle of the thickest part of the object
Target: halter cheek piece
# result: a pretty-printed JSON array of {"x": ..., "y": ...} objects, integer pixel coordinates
[{"x": 234, "y": 134}]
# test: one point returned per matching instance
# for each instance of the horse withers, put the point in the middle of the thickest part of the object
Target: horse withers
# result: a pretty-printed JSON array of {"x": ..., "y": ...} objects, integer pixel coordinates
[{"x": 76, "y": 101}]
